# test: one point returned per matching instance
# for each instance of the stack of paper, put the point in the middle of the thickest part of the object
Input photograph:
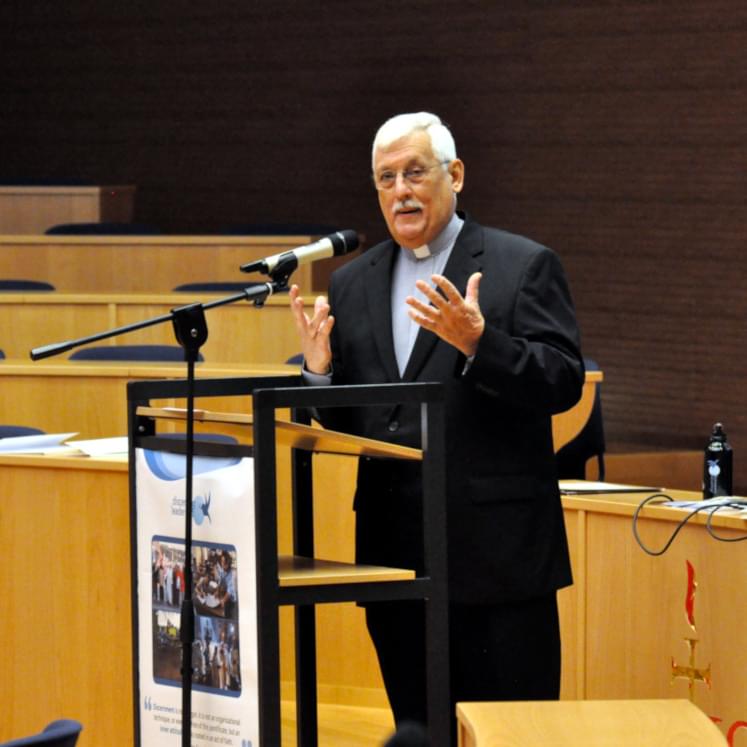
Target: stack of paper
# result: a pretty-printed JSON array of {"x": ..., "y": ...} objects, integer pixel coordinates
[
  {"x": 43, "y": 443},
  {"x": 60, "y": 443}
]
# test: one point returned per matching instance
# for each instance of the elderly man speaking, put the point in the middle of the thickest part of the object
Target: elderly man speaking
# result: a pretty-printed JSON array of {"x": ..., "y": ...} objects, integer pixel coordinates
[{"x": 489, "y": 315}]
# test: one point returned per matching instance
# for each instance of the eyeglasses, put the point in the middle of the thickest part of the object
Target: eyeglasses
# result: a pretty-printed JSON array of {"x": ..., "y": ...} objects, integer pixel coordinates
[{"x": 413, "y": 175}]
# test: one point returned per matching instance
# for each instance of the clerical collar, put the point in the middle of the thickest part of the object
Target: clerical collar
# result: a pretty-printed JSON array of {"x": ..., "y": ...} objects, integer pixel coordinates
[{"x": 444, "y": 240}]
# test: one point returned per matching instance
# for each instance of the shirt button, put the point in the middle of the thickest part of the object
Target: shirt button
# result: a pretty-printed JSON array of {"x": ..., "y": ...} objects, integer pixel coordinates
[{"x": 393, "y": 426}]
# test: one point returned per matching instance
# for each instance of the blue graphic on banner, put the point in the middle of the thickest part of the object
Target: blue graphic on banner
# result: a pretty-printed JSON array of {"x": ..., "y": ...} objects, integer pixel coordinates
[
  {"x": 169, "y": 466},
  {"x": 201, "y": 509}
]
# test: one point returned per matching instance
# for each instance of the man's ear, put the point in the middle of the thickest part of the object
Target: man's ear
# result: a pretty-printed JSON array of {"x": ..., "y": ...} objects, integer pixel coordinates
[{"x": 456, "y": 170}]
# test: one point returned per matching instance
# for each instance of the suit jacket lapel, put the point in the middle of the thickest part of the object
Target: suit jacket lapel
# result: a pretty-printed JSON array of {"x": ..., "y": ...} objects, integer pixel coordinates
[
  {"x": 464, "y": 260},
  {"x": 378, "y": 302}
]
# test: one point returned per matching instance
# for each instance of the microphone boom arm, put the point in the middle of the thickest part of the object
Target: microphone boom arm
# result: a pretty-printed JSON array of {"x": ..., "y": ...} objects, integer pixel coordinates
[{"x": 257, "y": 294}]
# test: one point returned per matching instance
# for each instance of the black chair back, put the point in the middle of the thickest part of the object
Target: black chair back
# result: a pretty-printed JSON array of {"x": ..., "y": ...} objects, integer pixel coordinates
[
  {"x": 215, "y": 287},
  {"x": 13, "y": 431},
  {"x": 102, "y": 229},
  {"x": 154, "y": 353},
  {"x": 13, "y": 284},
  {"x": 60, "y": 733}
]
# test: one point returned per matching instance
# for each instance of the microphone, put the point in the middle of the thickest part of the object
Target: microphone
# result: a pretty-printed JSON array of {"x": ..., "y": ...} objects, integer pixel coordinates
[{"x": 334, "y": 245}]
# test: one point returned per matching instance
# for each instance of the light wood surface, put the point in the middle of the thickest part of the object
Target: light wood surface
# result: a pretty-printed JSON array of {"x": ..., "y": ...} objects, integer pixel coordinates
[
  {"x": 65, "y": 534},
  {"x": 141, "y": 264},
  {"x": 642, "y": 723},
  {"x": 65, "y": 527},
  {"x": 677, "y": 469},
  {"x": 342, "y": 726},
  {"x": 53, "y": 394},
  {"x": 295, "y": 435},
  {"x": 298, "y": 571},
  {"x": 624, "y": 622},
  {"x": 66, "y": 598},
  {"x": 34, "y": 209},
  {"x": 238, "y": 333},
  {"x": 91, "y": 397}
]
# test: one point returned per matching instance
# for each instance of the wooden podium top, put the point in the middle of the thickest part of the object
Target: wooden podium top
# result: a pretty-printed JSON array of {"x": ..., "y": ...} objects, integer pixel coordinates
[
  {"x": 575, "y": 723},
  {"x": 296, "y": 435}
]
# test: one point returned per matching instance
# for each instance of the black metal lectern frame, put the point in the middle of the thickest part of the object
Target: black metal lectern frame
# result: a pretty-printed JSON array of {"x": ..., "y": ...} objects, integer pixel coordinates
[{"x": 270, "y": 394}]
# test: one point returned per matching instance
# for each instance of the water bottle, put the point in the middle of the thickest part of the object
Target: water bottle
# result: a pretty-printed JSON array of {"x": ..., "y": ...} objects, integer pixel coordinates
[{"x": 717, "y": 463}]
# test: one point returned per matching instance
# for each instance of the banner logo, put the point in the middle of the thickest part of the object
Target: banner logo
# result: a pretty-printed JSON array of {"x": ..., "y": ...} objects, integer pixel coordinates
[{"x": 201, "y": 509}]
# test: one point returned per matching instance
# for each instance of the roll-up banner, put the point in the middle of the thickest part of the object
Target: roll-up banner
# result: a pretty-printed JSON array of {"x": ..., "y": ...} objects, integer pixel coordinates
[{"x": 225, "y": 704}]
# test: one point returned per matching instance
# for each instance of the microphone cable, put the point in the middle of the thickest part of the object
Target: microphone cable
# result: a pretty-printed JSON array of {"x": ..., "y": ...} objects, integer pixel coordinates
[{"x": 663, "y": 497}]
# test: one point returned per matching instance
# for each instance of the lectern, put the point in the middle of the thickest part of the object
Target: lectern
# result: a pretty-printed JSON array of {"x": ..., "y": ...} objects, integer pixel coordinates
[{"x": 301, "y": 580}]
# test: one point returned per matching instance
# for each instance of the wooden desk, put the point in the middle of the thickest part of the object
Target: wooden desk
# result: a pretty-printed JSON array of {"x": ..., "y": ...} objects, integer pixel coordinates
[
  {"x": 66, "y": 609},
  {"x": 65, "y": 537},
  {"x": 91, "y": 397},
  {"x": 33, "y": 209},
  {"x": 239, "y": 333},
  {"x": 52, "y": 394},
  {"x": 66, "y": 616},
  {"x": 639, "y": 723},
  {"x": 624, "y": 621},
  {"x": 141, "y": 264}
]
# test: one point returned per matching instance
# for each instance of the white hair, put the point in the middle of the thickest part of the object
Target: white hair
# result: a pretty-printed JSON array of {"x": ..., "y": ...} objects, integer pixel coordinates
[{"x": 402, "y": 125}]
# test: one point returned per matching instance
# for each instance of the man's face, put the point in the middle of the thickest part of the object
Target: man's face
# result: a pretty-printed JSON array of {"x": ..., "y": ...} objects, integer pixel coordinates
[{"x": 416, "y": 213}]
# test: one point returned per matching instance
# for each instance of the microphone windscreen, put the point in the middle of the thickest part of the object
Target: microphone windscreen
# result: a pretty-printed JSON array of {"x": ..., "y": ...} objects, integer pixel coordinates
[{"x": 344, "y": 241}]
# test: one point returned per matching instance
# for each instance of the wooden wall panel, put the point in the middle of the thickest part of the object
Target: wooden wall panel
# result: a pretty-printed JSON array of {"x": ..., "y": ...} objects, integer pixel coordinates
[{"x": 611, "y": 130}]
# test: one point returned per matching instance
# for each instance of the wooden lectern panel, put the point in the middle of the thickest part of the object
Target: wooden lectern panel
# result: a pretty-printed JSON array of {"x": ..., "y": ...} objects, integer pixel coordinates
[{"x": 577, "y": 723}]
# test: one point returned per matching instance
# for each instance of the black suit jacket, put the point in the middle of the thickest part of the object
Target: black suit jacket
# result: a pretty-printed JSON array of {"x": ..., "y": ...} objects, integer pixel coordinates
[{"x": 506, "y": 537}]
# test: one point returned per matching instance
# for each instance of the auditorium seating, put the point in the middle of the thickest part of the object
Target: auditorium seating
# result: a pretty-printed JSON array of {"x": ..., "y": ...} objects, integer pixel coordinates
[
  {"x": 131, "y": 353},
  {"x": 60, "y": 733},
  {"x": 13, "y": 431},
  {"x": 13, "y": 284},
  {"x": 214, "y": 287},
  {"x": 102, "y": 229}
]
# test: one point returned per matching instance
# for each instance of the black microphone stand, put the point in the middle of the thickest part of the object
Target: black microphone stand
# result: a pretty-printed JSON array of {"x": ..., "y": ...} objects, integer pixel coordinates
[{"x": 190, "y": 329}]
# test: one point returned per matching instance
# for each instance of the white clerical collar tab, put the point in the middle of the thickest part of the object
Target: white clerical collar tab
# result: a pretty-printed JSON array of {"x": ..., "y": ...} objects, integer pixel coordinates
[{"x": 422, "y": 252}]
